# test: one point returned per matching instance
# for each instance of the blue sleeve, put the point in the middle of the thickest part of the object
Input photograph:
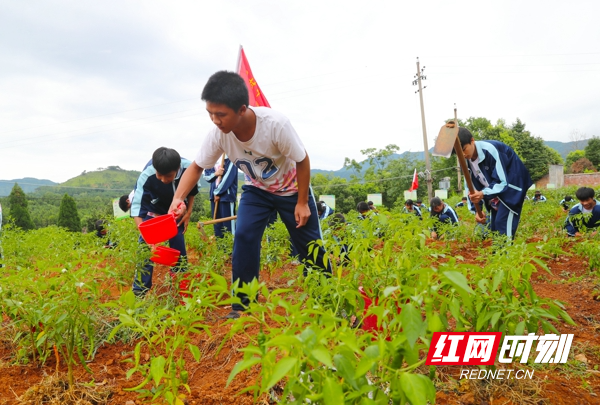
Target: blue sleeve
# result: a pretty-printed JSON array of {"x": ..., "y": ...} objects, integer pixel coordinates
[
  {"x": 229, "y": 178},
  {"x": 569, "y": 225},
  {"x": 209, "y": 175}
]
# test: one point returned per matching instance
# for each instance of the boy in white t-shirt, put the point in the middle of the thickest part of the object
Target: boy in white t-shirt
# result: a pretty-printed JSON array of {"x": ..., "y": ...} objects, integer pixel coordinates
[{"x": 263, "y": 144}]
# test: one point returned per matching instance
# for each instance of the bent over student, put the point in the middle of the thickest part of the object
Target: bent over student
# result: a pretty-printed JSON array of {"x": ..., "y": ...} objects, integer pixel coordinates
[
  {"x": 501, "y": 181},
  {"x": 443, "y": 213},
  {"x": 265, "y": 146},
  {"x": 153, "y": 195}
]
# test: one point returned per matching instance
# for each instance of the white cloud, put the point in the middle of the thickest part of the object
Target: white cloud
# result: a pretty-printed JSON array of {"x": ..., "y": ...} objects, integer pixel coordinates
[{"x": 88, "y": 85}]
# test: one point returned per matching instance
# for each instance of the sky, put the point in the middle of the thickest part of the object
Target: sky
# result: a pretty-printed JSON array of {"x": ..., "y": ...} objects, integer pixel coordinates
[{"x": 85, "y": 85}]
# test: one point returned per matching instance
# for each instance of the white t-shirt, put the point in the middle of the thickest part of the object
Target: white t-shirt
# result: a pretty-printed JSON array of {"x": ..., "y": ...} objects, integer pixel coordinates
[{"x": 268, "y": 160}]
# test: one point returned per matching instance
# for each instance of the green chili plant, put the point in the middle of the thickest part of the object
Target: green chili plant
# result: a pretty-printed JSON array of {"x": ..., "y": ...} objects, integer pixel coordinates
[{"x": 167, "y": 332}]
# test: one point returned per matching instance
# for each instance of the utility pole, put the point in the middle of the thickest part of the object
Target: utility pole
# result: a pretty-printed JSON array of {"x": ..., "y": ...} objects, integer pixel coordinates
[
  {"x": 458, "y": 170},
  {"x": 418, "y": 78}
]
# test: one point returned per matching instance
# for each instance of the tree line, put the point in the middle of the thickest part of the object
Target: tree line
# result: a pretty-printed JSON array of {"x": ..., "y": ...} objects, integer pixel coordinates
[{"x": 381, "y": 172}]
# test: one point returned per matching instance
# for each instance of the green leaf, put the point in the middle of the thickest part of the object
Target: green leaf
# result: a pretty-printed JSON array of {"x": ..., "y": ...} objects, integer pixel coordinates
[
  {"x": 195, "y": 351},
  {"x": 280, "y": 370},
  {"x": 498, "y": 277},
  {"x": 520, "y": 328},
  {"x": 241, "y": 366},
  {"x": 323, "y": 356},
  {"x": 157, "y": 369},
  {"x": 389, "y": 290},
  {"x": 412, "y": 323},
  {"x": 332, "y": 392},
  {"x": 345, "y": 368},
  {"x": 419, "y": 390},
  {"x": 495, "y": 318},
  {"x": 459, "y": 281}
]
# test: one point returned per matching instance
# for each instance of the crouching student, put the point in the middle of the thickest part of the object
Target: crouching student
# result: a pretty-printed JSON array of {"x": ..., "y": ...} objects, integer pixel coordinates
[
  {"x": 411, "y": 208},
  {"x": 443, "y": 214},
  {"x": 153, "y": 195},
  {"x": 586, "y": 214},
  {"x": 265, "y": 146}
]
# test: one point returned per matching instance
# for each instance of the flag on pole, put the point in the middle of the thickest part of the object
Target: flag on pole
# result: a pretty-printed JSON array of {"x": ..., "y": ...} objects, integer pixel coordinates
[
  {"x": 415, "y": 182},
  {"x": 257, "y": 98}
]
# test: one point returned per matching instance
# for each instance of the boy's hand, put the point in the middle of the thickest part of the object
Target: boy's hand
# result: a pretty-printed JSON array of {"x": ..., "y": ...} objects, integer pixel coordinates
[
  {"x": 185, "y": 220},
  {"x": 302, "y": 213},
  {"x": 480, "y": 218},
  {"x": 476, "y": 196},
  {"x": 177, "y": 207}
]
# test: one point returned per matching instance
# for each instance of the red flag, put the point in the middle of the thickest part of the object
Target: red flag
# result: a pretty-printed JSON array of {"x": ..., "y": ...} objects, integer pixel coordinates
[
  {"x": 257, "y": 98},
  {"x": 415, "y": 182}
]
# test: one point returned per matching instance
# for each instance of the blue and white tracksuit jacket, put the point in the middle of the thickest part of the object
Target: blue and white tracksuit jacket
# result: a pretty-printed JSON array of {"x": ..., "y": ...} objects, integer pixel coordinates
[
  {"x": 576, "y": 219},
  {"x": 227, "y": 192},
  {"x": 508, "y": 179}
]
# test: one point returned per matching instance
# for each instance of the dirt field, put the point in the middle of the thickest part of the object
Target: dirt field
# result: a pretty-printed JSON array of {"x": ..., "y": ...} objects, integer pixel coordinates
[{"x": 577, "y": 382}]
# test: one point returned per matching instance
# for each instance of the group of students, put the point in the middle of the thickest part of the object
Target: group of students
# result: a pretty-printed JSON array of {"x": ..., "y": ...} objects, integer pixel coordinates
[{"x": 263, "y": 144}]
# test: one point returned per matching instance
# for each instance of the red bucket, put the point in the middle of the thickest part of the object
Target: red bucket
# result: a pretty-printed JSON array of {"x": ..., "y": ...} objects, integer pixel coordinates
[
  {"x": 369, "y": 322},
  {"x": 165, "y": 255},
  {"x": 159, "y": 229}
]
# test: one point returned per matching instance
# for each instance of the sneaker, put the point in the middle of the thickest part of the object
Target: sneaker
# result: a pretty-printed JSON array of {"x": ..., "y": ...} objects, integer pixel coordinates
[{"x": 233, "y": 314}]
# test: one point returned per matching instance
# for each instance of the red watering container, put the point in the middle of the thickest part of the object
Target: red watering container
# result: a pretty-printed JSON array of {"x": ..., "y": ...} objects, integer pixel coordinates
[
  {"x": 369, "y": 323},
  {"x": 159, "y": 229},
  {"x": 165, "y": 255}
]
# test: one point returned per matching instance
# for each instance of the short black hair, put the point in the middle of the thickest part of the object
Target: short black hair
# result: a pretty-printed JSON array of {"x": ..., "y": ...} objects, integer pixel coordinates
[
  {"x": 370, "y": 202},
  {"x": 336, "y": 220},
  {"x": 320, "y": 207},
  {"x": 435, "y": 202},
  {"x": 464, "y": 198},
  {"x": 568, "y": 198},
  {"x": 226, "y": 88},
  {"x": 409, "y": 202},
  {"x": 99, "y": 225},
  {"x": 362, "y": 207},
  {"x": 584, "y": 193},
  {"x": 538, "y": 192},
  {"x": 464, "y": 136},
  {"x": 166, "y": 160},
  {"x": 123, "y": 203}
]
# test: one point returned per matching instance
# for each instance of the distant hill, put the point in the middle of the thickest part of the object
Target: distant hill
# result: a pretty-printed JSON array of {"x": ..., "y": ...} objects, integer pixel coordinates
[
  {"x": 28, "y": 184},
  {"x": 565, "y": 147}
]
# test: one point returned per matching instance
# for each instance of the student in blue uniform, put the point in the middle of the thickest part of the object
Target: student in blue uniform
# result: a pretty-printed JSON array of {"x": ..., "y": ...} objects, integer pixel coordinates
[
  {"x": 538, "y": 197},
  {"x": 324, "y": 210},
  {"x": 443, "y": 213},
  {"x": 223, "y": 189},
  {"x": 265, "y": 146},
  {"x": 411, "y": 208},
  {"x": 566, "y": 203},
  {"x": 153, "y": 195},
  {"x": 586, "y": 214},
  {"x": 422, "y": 207},
  {"x": 500, "y": 179},
  {"x": 462, "y": 203}
]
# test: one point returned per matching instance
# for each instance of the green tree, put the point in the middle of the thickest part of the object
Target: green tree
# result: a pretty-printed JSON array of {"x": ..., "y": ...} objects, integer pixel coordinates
[
  {"x": 68, "y": 217},
  {"x": 533, "y": 152},
  {"x": 19, "y": 211},
  {"x": 592, "y": 150}
]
